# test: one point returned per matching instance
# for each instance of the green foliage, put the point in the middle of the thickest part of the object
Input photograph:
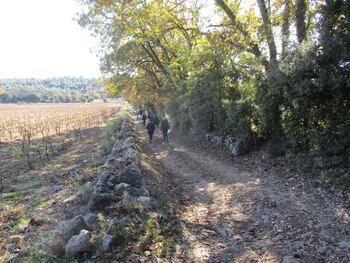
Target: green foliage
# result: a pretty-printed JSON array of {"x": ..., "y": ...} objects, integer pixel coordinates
[
  {"x": 204, "y": 102},
  {"x": 178, "y": 111},
  {"x": 21, "y": 221},
  {"x": 240, "y": 118},
  {"x": 103, "y": 222},
  {"x": 120, "y": 232},
  {"x": 316, "y": 95},
  {"x": 16, "y": 196},
  {"x": 39, "y": 202},
  {"x": 153, "y": 232}
]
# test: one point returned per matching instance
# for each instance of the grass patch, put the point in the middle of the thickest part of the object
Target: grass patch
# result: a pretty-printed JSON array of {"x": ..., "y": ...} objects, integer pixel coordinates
[
  {"x": 103, "y": 222},
  {"x": 111, "y": 130},
  {"x": 12, "y": 211},
  {"x": 35, "y": 252},
  {"x": 17, "y": 155},
  {"x": 154, "y": 238},
  {"x": 38, "y": 203},
  {"x": 21, "y": 221},
  {"x": 161, "y": 201},
  {"x": 96, "y": 161},
  {"x": 16, "y": 196},
  {"x": 89, "y": 141},
  {"x": 121, "y": 232}
]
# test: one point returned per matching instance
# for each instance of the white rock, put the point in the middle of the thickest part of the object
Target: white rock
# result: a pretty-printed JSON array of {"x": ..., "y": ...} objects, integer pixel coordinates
[
  {"x": 92, "y": 221},
  {"x": 224, "y": 232},
  {"x": 106, "y": 243},
  {"x": 56, "y": 188},
  {"x": 344, "y": 244},
  {"x": 78, "y": 243},
  {"x": 144, "y": 199}
]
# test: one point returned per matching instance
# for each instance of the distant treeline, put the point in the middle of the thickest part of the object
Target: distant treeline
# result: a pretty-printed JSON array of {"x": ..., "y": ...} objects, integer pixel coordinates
[{"x": 63, "y": 89}]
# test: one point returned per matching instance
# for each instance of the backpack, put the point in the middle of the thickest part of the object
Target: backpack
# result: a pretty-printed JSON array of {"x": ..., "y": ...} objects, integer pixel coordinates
[
  {"x": 150, "y": 126},
  {"x": 165, "y": 125}
]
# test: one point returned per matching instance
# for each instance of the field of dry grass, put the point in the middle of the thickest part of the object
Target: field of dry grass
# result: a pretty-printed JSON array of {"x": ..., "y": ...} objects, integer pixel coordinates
[{"x": 44, "y": 176}]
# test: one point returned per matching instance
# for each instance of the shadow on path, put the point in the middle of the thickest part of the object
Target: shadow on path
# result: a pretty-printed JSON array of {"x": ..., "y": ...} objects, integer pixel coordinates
[{"x": 230, "y": 215}]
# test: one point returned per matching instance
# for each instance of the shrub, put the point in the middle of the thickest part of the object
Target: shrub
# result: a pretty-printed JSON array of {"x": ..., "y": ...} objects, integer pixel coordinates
[
  {"x": 205, "y": 106},
  {"x": 241, "y": 118}
]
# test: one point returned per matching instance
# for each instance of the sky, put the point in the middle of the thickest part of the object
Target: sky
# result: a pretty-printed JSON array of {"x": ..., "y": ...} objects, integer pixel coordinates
[{"x": 40, "y": 39}]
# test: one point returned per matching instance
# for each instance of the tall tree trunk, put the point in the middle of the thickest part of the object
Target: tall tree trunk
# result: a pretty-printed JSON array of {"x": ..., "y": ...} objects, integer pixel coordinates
[
  {"x": 268, "y": 31},
  {"x": 300, "y": 20},
  {"x": 272, "y": 113},
  {"x": 285, "y": 28}
]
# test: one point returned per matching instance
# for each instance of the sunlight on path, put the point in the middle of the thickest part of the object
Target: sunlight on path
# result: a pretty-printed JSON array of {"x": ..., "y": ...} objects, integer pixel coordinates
[{"x": 230, "y": 215}]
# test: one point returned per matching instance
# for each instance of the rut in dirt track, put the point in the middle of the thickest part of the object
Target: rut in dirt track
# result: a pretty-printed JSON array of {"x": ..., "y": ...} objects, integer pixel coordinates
[{"x": 230, "y": 215}]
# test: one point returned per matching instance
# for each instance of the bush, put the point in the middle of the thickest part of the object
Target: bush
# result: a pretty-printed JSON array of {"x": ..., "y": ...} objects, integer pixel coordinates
[
  {"x": 178, "y": 110},
  {"x": 205, "y": 107},
  {"x": 241, "y": 118},
  {"x": 316, "y": 103}
]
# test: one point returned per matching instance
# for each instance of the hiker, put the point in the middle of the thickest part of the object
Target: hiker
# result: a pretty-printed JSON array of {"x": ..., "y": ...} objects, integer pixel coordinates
[
  {"x": 150, "y": 128},
  {"x": 164, "y": 126},
  {"x": 144, "y": 117}
]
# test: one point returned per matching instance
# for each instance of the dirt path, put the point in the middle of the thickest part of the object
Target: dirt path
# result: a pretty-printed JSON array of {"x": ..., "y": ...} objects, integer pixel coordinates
[{"x": 231, "y": 215}]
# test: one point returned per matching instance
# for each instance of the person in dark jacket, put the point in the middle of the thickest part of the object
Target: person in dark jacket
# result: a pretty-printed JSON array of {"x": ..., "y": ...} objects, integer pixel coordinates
[
  {"x": 144, "y": 117},
  {"x": 164, "y": 126},
  {"x": 150, "y": 128}
]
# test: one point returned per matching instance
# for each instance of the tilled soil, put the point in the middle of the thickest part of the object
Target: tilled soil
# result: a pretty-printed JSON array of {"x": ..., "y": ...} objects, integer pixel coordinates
[{"x": 232, "y": 214}]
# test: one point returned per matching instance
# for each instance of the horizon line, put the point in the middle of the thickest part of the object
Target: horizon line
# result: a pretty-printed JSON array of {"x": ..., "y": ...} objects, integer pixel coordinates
[{"x": 52, "y": 77}]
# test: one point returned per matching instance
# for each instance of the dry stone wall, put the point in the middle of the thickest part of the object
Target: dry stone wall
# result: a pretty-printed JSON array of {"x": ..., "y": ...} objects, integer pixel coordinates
[
  {"x": 119, "y": 184},
  {"x": 121, "y": 173},
  {"x": 236, "y": 146}
]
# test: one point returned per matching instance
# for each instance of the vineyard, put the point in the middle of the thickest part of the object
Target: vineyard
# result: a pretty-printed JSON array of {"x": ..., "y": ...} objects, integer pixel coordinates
[
  {"x": 47, "y": 154},
  {"x": 34, "y": 132}
]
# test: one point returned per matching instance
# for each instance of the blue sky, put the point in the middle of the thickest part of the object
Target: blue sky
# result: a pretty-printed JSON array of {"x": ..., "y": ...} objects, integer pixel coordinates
[{"x": 40, "y": 39}]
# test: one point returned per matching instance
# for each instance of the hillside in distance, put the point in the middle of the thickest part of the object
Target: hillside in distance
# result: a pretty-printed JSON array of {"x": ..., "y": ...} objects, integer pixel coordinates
[{"x": 62, "y": 89}]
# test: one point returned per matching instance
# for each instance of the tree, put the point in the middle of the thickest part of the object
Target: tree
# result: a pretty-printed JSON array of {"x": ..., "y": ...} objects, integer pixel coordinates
[
  {"x": 300, "y": 19},
  {"x": 247, "y": 74}
]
